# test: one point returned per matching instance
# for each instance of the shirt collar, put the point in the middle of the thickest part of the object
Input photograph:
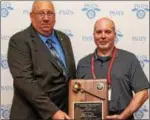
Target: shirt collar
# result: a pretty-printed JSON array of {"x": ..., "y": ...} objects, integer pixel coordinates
[
  {"x": 96, "y": 57},
  {"x": 51, "y": 37}
]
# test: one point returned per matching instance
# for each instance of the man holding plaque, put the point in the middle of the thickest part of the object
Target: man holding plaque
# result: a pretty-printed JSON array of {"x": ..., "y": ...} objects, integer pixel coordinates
[
  {"x": 41, "y": 62},
  {"x": 121, "y": 69}
]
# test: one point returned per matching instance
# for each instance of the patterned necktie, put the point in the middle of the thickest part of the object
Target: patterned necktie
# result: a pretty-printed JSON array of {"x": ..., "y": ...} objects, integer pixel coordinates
[{"x": 56, "y": 56}]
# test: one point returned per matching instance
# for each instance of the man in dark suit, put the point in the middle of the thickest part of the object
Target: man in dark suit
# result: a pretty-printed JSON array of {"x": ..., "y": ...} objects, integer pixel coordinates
[{"x": 40, "y": 77}]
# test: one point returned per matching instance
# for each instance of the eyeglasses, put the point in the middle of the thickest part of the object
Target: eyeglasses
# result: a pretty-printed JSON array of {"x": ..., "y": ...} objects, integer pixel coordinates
[{"x": 42, "y": 14}]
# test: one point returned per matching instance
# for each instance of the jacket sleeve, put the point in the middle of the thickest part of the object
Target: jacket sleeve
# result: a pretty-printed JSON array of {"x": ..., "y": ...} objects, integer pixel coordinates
[{"x": 21, "y": 68}]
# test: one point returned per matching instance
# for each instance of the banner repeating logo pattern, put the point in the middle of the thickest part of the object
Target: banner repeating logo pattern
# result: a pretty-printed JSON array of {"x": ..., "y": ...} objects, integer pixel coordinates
[
  {"x": 143, "y": 60},
  {"x": 5, "y": 111},
  {"x": 68, "y": 32},
  {"x": 90, "y": 10},
  {"x": 140, "y": 113},
  {"x": 5, "y": 8},
  {"x": 140, "y": 10},
  {"x": 77, "y": 21},
  {"x": 7, "y": 88},
  {"x": 119, "y": 35},
  {"x": 4, "y": 63}
]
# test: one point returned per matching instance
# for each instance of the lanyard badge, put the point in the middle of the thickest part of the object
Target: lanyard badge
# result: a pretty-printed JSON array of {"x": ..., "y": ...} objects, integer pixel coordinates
[{"x": 109, "y": 71}]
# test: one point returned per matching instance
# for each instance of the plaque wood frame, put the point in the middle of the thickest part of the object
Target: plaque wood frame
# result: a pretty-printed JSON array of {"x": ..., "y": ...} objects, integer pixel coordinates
[{"x": 98, "y": 87}]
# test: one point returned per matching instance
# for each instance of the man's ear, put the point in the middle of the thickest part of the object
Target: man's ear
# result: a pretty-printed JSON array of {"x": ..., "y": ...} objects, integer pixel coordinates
[
  {"x": 31, "y": 16},
  {"x": 115, "y": 33}
]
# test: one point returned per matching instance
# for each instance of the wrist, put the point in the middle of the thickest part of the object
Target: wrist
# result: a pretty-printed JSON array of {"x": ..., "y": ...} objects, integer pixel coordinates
[{"x": 122, "y": 117}]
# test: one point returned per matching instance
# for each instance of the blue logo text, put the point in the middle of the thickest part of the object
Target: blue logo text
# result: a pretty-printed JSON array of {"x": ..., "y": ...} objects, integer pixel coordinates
[{"x": 90, "y": 10}]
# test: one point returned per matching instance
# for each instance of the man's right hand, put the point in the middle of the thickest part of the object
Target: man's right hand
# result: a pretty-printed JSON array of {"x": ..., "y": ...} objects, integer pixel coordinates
[{"x": 60, "y": 115}]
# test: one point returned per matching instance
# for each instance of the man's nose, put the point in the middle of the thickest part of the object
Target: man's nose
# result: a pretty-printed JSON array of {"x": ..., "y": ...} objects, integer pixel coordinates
[
  {"x": 46, "y": 17},
  {"x": 103, "y": 35}
]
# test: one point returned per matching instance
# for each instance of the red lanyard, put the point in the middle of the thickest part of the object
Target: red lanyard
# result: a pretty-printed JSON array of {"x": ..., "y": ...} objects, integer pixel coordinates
[{"x": 109, "y": 68}]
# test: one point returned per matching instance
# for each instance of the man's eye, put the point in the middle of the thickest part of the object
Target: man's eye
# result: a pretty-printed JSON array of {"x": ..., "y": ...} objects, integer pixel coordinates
[
  {"x": 98, "y": 31},
  {"x": 41, "y": 13},
  {"x": 108, "y": 32},
  {"x": 49, "y": 13}
]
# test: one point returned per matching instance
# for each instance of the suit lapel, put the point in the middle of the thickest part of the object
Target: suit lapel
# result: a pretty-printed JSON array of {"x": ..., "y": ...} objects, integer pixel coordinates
[{"x": 42, "y": 47}]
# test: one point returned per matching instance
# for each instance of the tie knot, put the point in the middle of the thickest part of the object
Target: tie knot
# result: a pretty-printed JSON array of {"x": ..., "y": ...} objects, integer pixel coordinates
[{"x": 50, "y": 42}]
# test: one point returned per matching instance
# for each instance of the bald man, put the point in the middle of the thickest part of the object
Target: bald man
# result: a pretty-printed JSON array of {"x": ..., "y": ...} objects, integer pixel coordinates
[
  {"x": 123, "y": 75},
  {"x": 41, "y": 62}
]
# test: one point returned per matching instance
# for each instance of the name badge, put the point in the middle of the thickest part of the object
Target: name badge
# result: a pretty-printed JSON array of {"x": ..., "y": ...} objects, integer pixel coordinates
[{"x": 109, "y": 94}]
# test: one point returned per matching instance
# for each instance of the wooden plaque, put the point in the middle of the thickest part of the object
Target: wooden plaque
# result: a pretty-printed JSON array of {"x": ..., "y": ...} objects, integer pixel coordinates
[{"x": 88, "y": 99}]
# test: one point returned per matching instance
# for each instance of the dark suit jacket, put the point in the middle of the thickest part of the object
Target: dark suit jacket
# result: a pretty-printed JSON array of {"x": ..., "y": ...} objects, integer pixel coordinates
[{"x": 39, "y": 85}]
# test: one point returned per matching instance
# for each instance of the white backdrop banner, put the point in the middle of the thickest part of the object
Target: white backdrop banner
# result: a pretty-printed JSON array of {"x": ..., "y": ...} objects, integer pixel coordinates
[{"x": 76, "y": 19}]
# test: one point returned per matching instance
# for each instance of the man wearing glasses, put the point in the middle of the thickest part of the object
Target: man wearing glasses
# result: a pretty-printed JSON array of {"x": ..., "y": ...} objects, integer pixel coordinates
[{"x": 41, "y": 62}]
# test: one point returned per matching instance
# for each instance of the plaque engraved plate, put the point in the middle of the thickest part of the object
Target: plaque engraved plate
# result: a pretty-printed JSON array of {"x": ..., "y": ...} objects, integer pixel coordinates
[{"x": 88, "y": 110}]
